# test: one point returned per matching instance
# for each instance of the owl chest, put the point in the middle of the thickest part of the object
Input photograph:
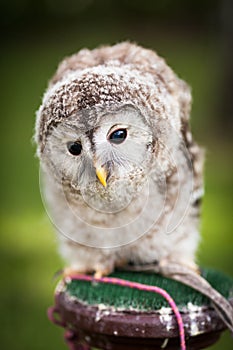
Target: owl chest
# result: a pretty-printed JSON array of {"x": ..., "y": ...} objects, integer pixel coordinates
[
  {"x": 81, "y": 219},
  {"x": 123, "y": 223}
]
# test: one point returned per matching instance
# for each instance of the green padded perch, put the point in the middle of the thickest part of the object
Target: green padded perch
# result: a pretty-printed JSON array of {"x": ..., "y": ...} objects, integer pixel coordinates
[{"x": 111, "y": 317}]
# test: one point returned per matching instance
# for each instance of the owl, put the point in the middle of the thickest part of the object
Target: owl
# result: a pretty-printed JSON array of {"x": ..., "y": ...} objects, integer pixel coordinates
[{"x": 121, "y": 174}]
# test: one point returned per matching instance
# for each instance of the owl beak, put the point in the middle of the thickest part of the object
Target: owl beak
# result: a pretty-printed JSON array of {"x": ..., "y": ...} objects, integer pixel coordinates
[{"x": 102, "y": 174}]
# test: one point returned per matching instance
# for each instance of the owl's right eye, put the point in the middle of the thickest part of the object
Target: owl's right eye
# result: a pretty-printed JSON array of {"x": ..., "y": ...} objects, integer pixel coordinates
[{"x": 75, "y": 148}]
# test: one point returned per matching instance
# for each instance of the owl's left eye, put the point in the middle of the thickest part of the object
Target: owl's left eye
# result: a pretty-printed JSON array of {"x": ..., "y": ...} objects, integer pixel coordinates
[
  {"x": 118, "y": 136},
  {"x": 75, "y": 148}
]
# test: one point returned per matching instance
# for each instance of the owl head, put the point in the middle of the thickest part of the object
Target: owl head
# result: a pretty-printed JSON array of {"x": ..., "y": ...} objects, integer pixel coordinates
[{"x": 103, "y": 120}]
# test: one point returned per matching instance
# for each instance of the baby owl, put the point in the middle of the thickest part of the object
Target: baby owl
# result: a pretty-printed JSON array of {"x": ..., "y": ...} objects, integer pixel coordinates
[{"x": 122, "y": 176}]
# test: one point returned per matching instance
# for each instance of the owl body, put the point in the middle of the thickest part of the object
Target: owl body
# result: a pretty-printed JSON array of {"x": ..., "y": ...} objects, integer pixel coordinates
[{"x": 122, "y": 176}]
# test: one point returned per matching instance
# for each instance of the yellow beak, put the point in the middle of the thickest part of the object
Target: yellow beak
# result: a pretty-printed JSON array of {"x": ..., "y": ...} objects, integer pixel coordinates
[{"x": 102, "y": 174}]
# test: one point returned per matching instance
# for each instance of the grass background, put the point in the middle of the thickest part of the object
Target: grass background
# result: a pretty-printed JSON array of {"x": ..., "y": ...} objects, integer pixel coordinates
[{"x": 33, "y": 43}]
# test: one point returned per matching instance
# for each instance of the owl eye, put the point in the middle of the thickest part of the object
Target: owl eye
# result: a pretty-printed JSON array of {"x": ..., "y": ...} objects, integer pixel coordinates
[
  {"x": 118, "y": 136},
  {"x": 75, "y": 148}
]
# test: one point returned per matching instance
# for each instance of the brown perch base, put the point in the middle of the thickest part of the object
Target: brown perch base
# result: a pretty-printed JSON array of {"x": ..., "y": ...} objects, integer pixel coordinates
[{"x": 108, "y": 329}]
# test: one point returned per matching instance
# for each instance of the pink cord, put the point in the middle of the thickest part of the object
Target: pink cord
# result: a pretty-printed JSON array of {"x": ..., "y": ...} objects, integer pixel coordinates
[{"x": 144, "y": 287}]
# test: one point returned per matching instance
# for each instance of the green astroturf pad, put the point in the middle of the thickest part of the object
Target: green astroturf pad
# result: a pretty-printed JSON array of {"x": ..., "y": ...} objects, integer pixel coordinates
[{"x": 124, "y": 297}]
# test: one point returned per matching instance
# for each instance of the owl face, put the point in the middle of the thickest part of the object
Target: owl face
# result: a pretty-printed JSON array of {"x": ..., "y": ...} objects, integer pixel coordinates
[{"x": 100, "y": 154}]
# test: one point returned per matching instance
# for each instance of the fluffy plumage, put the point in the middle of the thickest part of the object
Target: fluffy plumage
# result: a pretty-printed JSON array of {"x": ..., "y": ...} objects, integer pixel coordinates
[{"x": 149, "y": 210}]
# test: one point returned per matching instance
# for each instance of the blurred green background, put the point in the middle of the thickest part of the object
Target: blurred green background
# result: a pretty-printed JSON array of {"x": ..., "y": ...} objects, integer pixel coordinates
[{"x": 195, "y": 37}]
